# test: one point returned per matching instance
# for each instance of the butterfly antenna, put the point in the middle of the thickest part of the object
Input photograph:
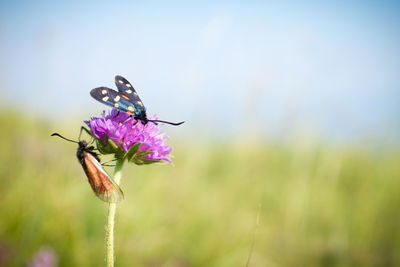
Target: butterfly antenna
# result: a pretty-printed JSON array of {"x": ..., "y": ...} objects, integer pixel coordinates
[
  {"x": 172, "y": 123},
  {"x": 56, "y": 134}
]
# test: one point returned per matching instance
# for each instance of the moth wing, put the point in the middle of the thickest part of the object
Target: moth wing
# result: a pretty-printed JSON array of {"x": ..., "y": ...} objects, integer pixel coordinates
[
  {"x": 102, "y": 184},
  {"x": 115, "y": 99},
  {"x": 126, "y": 88}
]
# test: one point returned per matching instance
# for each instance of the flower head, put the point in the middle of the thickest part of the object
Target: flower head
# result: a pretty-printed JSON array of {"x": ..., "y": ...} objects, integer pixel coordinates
[{"x": 118, "y": 133}]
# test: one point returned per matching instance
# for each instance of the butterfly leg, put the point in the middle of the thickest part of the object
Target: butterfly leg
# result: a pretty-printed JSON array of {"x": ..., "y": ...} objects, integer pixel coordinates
[
  {"x": 106, "y": 165},
  {"x": 122, "y": 123},
  {"x": 80, "y": 133},
  {"x": 109, "y": 161},
  {"x": 130, "y": 117},
  {"x": 116, "y": 115},
  {"x": 86, "y": 130}
]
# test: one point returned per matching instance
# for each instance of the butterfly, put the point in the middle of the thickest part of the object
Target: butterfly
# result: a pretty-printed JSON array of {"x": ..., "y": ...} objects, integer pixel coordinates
[
  {"x": 102, "y": 184},
  {"x": 126, "y": 100}
]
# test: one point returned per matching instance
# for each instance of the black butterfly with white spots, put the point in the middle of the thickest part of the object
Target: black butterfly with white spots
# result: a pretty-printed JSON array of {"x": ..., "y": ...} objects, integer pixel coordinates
[{"x": 126, "y": 100}]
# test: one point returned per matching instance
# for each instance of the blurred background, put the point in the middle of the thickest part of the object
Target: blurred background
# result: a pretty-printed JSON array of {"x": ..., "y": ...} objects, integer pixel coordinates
[{"x": 290, "y": 106}]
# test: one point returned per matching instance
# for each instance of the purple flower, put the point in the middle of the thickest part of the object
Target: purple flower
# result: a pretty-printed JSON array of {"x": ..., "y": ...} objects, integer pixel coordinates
[
  {"x": 125, "y": 132},
  {"x": 45, "y": 257}
]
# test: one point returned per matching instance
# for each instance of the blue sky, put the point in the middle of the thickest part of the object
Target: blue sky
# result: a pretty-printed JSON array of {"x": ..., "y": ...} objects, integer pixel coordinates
[{"x": 269, "y": 67}]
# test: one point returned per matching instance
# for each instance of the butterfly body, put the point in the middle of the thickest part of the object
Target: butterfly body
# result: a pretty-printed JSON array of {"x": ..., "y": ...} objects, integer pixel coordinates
[
  {"x": 126, "y": 100},
  {"x": 101, "y": 183}
]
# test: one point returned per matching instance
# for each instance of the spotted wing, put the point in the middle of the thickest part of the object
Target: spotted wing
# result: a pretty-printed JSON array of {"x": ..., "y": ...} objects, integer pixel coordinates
[
  {"x": 116, "y": 100},
  {"x": 126, "y": 88},
  {"x": 103, "y": 186}
]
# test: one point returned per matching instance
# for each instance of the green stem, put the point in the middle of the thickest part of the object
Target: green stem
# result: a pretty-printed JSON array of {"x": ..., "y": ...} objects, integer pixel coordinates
[{"x": 111, "y": 218}]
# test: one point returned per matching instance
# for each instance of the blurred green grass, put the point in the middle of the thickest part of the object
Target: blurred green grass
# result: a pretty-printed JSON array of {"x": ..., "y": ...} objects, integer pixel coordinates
[{"x": 322, "y": 205}]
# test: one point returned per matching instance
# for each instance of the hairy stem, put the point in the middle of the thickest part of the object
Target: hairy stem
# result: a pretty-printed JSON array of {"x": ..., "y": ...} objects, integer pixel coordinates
[{"x": 111, "y": 218}]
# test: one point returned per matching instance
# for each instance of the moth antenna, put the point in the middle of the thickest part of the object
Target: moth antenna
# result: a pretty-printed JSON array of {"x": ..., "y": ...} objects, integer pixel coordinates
[
  {"x": 172, "y": 123},
  {"x": 56, "y": 134}
]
